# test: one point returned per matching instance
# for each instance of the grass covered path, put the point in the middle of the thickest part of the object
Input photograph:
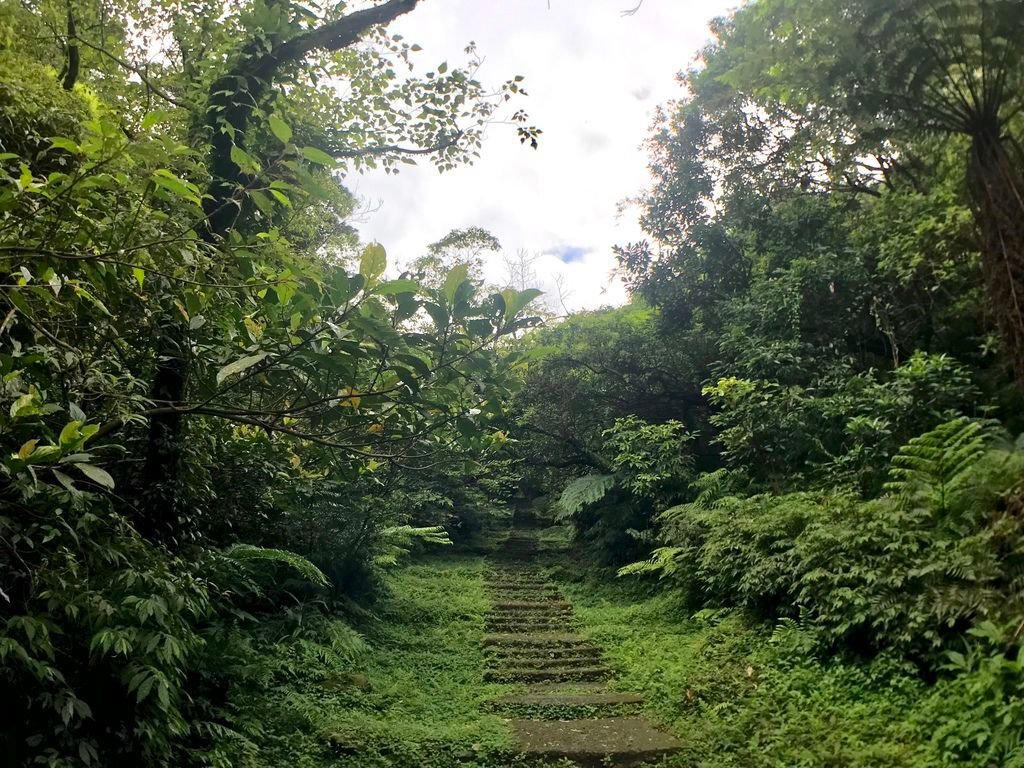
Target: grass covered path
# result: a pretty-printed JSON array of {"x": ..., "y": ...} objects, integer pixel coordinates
[{"x": 469, "y": 661}]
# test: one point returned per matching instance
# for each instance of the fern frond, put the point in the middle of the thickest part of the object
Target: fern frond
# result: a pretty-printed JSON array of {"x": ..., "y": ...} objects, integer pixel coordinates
[
  {"x": 247, "y": 552},
  {"x": 932, "y": 465},
  {"x": 397, "y": 541},
  {"x": 663, "y": 562},
  {"x": 582, "y": 492}
]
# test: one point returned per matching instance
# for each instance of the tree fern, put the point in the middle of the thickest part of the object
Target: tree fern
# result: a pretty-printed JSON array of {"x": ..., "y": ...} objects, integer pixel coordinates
[
  {"x": 249, "y": 552},
  {"x": 582, "y": 492}
]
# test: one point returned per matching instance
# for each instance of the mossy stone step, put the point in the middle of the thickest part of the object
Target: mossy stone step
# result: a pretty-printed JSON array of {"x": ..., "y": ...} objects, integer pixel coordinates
[
  {"x": 544, "y": 662},
  {"x": 525, "y": 594},
  {"x": 535, "y": 640},
  {"x": 511, "y": 653},
  {"x": 556, "y": 674},
  {"x": 563, "y": 619},
  {"x": 614, "y": 741},
  {"x": 517, "y": 626},
  {"x": 557, "y": 700},
  {"x": 531, "y": 605},
  {"x": 555, "y": 613}
]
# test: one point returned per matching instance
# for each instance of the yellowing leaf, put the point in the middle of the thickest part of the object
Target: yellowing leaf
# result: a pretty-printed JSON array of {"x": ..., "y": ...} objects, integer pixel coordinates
[
  {"x": 349, "y": 398},
  {"x": 26, "y": 448}
]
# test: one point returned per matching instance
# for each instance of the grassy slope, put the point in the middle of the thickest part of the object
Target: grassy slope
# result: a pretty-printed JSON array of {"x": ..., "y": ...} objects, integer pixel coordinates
[
  {"x": 739, "y": 695},
  {"x": 413, "y": 699}
]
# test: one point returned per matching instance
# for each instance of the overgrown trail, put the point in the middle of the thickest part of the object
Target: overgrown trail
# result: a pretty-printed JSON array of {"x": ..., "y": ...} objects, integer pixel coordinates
[{"x": 568, "y": 711}]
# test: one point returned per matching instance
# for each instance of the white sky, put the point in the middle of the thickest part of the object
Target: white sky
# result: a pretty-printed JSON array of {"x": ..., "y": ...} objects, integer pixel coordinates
[{"x": 594, "y": 78}]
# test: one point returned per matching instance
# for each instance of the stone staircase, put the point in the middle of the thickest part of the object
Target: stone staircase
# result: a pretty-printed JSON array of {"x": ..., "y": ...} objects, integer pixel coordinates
[{"x": 567, "y": 712}]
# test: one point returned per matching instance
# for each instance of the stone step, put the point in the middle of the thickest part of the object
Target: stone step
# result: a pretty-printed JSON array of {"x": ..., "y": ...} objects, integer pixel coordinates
[
  {"x": 526, "y": 627},
  {"x": 535, "y": 640},
  {"x": 512, "y": 652},
  {"x": 528, "y": 616},
  {"x": 556, "y": 674},
  {"x": 526, "y": 596},
  {"x": 529, "y": 620},
  {"x": 613, "y": 741},
  {"x": 531, "y": 605},
  {"x": 596, "y": 702},
  {"x": 544, "y": 662}
]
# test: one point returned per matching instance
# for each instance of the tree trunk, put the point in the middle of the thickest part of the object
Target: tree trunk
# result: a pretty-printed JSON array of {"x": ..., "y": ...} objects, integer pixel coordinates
[{"x": 997, "y": 194}]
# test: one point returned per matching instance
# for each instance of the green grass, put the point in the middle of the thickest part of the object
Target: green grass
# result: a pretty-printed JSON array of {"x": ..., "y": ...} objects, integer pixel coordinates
[
  {"x": 739, "y": 694},
  {"x": 414, "y": 698}
]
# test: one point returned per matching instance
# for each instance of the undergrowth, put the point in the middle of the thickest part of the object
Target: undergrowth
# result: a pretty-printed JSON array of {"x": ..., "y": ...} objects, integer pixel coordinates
[
  {"x": 742, "y": 694},
  {"x": 412, "y": 696}
]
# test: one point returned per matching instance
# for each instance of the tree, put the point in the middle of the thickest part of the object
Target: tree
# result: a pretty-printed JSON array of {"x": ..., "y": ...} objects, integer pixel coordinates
[
  {"x": 460, "y": 247},
  {"x": 869, "y": 77}
]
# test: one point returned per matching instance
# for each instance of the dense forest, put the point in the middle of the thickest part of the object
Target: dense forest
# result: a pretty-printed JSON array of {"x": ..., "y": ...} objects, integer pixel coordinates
[{"x": 236, "y": 439}]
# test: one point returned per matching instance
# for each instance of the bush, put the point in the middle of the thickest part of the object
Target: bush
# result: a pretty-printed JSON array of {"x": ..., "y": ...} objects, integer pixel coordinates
[{"x": 943, "y": 549}]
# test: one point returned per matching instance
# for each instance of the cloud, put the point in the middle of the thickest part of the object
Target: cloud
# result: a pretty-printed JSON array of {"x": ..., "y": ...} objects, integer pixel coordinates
[{"x": 585, "y": 71}]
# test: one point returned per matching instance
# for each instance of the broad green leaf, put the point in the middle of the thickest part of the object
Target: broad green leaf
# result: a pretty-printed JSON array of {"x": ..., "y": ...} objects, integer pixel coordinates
[
  {"x": 456, "y": 277},
  {"x": 373, "y": 262},
  {"x": 516, "y": 301},
  {"x": 64, "y": 480},
  {"x": 242, "y": 364},
  {"x": 280, "y": 129},
  {"x": 244, "y": 160},
  {"x": 70, "y": 433},
  {"x": 394, "y": 287},
  {"x": 318, "y": 156},
  {"x": 96, "y": 474},
  {"x": 165, "y": 179},
  {"x": 62, "y": 142}
]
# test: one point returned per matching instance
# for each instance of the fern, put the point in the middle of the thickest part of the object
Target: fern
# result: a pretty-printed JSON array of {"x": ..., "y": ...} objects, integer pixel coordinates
[
  {"x": 397, "y": 541},
  {"x": 247, "y": 552},
  {"x": 663, "y": 562},
  {"x": 929, "y": 468},
  {"x": 582, "y": 492}
]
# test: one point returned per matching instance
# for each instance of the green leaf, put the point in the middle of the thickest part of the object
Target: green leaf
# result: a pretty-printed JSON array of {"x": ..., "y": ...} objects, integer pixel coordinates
[
  {"x": 140, "y": 275},
  {"x": 239, "y": 365},
  {"x": 280, "y": 129},
  {"x": 394, "y": 287},
  {"x": 166, "y": 180},
  {"x": 244, "y": 160},
  {"x": 456, "y": 277},
  {"x": 96, "y": 474},
  {"x": 318, "y": 156},
  {"x": 516, "y": 301},
  {"x": 373, "y": 262},
  {"x": 61, "y": 142},
  {"x": 70, "y": 433}
]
